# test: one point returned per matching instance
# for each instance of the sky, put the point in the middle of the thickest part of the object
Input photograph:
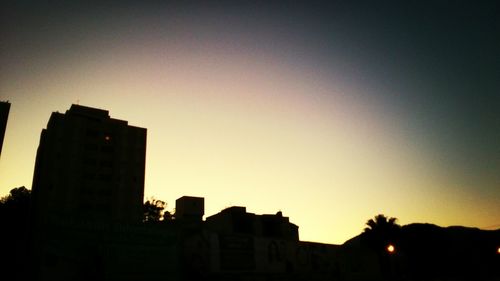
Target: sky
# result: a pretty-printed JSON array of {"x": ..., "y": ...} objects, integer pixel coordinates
[{"x": 329, "y": 112}]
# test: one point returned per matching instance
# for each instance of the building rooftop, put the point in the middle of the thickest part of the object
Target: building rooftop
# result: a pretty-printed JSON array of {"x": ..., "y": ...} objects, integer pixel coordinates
[{"x": 77, "y": 109}]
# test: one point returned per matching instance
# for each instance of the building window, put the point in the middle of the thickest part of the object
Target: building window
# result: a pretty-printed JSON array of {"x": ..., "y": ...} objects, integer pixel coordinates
[
  {"x": 92, "y": 133},
  {"x": 90, "y": 147},
  {"x": 105, "y": 177},
  {"x": 106, "y": 163},
  {"x": 107, "y": 149}
]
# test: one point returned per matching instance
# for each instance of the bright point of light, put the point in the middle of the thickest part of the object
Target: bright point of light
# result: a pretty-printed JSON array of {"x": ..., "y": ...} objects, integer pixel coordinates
[
  {"x": 498, "y": 250},
  {"x": 391, "y": 248},
  {"x": 107, "y": 138}
]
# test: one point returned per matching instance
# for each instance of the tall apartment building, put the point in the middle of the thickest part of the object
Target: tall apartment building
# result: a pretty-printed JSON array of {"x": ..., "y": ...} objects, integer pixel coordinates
[
  {"x": 4, "y": 115},
  {"x": 90, "y": 167}
]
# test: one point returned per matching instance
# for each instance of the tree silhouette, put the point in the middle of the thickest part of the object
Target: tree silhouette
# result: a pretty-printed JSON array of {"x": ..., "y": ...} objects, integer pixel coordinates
[
  {"x": 154, "y": 211},
  {"x": 381, "y": 224},
  {"x": 15, "y": 222},
  {"x": 167, "y": 215},
  {"x": 15, "y": 207},
  {"x": 381, "y": 231},
  {"x": 382, "y": 236}
]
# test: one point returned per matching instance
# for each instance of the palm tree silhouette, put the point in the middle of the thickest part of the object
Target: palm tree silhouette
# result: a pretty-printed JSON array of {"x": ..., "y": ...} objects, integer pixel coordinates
[
  {"x": 381, "y": 231},
  {"x": 382, "y": 236},
  {"x": 381, "y": 224}
]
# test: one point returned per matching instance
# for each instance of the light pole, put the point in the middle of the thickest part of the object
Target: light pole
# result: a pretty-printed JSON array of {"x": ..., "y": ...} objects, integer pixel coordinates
[{"x": 391, "y": 250}]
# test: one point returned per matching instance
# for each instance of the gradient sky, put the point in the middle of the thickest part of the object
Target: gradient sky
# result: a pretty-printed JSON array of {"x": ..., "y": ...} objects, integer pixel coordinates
[{"x": 331, "y": 113}]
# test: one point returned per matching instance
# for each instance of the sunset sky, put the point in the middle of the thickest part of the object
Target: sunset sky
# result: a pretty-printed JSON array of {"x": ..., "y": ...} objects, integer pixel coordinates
[{"x": 331, "y": 113}]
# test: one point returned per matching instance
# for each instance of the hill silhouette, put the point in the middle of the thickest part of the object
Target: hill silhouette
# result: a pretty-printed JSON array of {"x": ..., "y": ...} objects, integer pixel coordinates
[{"x": 427, "y": 252}]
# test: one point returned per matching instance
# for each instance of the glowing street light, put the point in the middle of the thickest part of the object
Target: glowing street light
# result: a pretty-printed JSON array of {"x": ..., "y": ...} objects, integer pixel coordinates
[{"x": 391, "y": 249}]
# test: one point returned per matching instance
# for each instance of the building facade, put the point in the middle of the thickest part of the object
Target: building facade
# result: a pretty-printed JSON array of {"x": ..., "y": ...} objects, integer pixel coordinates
[
  {"x": 90, "y": 167},
  {"x": 236, "y": 245},
  {"x": 4, "y": 115}
]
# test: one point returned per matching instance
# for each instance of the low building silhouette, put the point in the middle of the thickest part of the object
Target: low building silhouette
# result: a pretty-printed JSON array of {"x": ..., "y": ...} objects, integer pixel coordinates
[
  {"x": 189, "y": 208},
  {"x": 235, "y": 220},
  {"x": 236, "y": 245}
]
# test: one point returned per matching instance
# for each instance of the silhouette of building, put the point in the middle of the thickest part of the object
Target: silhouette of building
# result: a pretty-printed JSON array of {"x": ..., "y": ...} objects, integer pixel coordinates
[
  {"x": 236, "y": 245},
  {"x": 90, "y": 167},
  {"x": 236, "y": 220},
  {"x": 4, "y": 115},
  {"x": 190, "y": 208},
  {"x": 88, "y": 189}
]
